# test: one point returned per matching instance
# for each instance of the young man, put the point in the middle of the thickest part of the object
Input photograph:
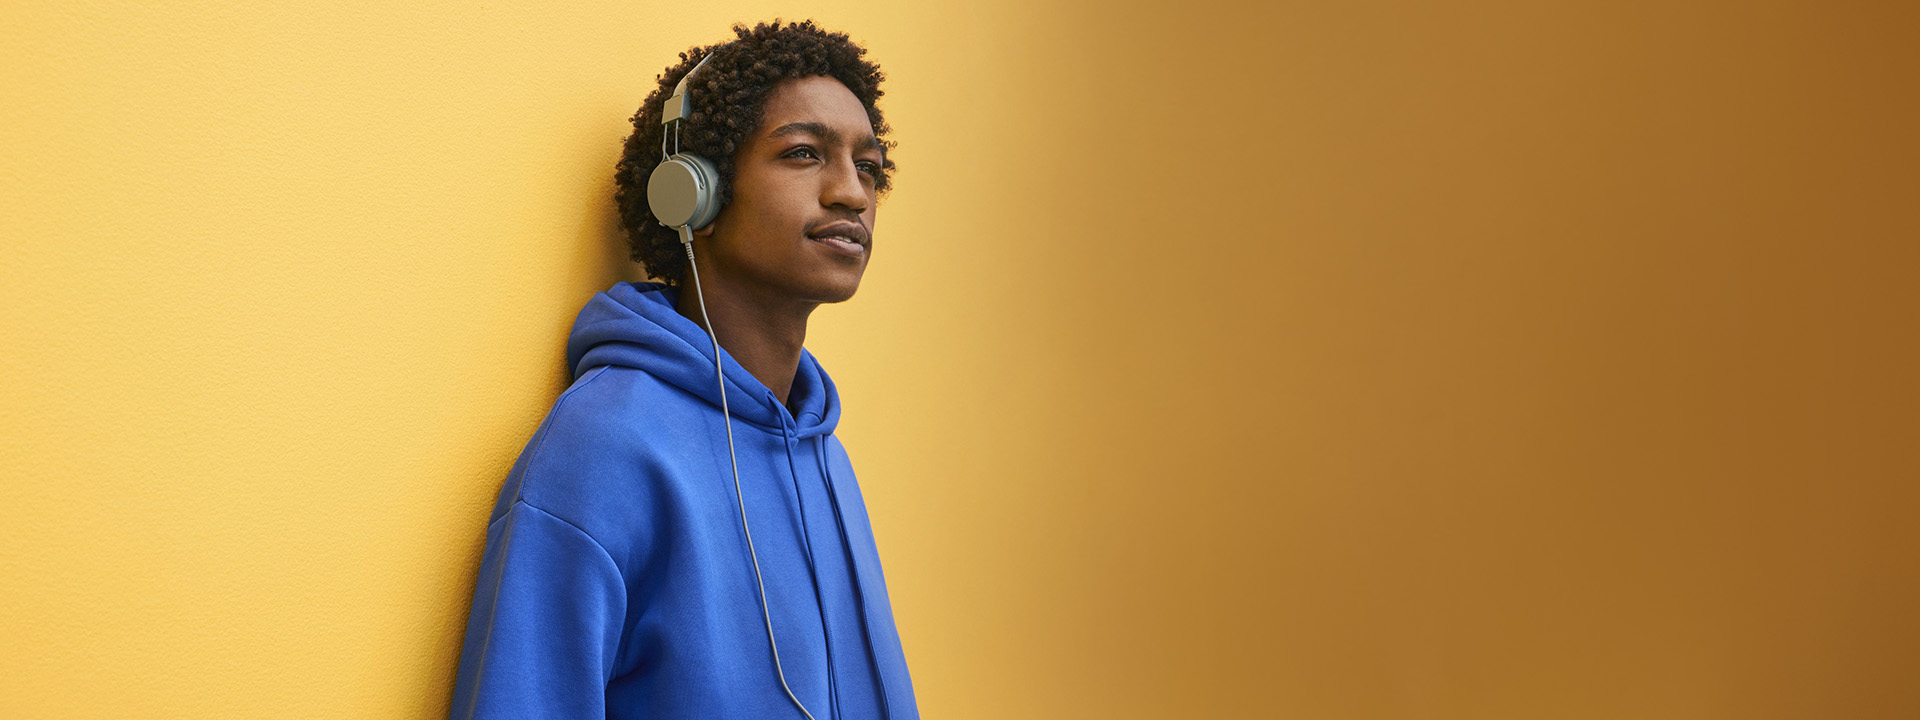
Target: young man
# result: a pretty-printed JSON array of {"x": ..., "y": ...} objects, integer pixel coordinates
[{"x": 620, "y": 578}]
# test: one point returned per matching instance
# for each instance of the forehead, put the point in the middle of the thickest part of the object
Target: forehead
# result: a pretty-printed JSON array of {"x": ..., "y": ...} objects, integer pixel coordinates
[{"x": 815, "y": 105}]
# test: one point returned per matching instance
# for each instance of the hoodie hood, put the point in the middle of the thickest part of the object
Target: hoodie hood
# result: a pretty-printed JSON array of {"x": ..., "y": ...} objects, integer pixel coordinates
[{"x": 636, "y": 325}]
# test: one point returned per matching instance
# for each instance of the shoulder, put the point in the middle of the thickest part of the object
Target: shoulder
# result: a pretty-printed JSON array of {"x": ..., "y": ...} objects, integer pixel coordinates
[
  {"x": 608, "y": 412},
  {"x": 599, "y": 451}
]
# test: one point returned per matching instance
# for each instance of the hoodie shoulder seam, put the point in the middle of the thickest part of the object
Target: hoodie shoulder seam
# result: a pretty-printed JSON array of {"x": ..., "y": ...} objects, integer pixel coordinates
[
  {"x": 533, "y": 456},
  {"x": 583, "y": 533},
  {"x": 520, "y": 494}
]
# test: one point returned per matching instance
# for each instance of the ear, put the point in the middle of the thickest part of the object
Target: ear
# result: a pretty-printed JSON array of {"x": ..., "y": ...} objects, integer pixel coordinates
[{"x": 706, "y": 232}]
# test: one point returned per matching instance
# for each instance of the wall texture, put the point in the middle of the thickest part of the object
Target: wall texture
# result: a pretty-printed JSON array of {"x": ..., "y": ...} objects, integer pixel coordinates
[{"x": 1374, "y": 360}]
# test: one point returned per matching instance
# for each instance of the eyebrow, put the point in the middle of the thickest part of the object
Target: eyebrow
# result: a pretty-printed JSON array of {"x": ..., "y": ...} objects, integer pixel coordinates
[{"x": 821, "y": 130}]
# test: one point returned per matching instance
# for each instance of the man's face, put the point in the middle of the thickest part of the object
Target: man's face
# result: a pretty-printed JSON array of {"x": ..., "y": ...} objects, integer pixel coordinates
[{"x": 811, "y": 165}]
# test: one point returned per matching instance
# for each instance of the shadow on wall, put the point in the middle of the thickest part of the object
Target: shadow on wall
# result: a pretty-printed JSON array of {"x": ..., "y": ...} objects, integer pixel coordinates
[{"x": 601, "y": 259}]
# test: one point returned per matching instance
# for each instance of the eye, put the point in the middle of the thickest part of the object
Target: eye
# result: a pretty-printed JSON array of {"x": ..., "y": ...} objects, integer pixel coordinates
[
  {"x": 870, "y": 168},
  {"x": 796, "y": 152}
]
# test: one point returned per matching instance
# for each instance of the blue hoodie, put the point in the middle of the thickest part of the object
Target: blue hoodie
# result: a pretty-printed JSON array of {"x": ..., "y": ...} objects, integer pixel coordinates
[{"x": 616, "y": 581}]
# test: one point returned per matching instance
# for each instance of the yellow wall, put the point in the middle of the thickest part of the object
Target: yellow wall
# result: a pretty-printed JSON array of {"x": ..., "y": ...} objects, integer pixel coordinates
[{"x": 1375, "y": 360}]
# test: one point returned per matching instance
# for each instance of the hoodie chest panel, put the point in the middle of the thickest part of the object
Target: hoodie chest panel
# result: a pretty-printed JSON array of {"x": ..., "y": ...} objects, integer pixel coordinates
[{"x": 700, "y": 631}]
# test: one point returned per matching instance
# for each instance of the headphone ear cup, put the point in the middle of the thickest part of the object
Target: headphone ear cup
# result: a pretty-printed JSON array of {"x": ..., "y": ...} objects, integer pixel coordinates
[{"x": 684, "y": 190}]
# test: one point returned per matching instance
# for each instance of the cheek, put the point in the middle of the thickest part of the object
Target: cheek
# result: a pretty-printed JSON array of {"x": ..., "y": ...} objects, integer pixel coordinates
[{"x": 762, "y": 195}]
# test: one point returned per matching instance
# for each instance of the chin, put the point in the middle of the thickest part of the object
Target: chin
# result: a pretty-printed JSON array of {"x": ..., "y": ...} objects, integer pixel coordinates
[
  {"x": 837, "y": 285},
  {"x": 840, "y": 293}
]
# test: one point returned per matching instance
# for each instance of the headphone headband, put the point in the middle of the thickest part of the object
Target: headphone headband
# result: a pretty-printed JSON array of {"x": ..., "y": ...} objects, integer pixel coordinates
[{"x": 677, "y": 107}]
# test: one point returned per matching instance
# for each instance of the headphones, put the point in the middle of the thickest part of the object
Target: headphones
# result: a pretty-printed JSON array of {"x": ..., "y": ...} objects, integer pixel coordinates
[
  {"x": 684, "y": 190},
  {"x": 684, "y": 194}
]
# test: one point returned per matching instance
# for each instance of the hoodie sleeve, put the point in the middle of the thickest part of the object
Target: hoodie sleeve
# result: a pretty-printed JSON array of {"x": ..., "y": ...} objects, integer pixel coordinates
[{"x": 546, "y": 620}]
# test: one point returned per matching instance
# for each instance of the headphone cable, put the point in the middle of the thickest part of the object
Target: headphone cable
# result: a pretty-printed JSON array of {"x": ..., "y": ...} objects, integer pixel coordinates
[{"x": 727, "y": 416}]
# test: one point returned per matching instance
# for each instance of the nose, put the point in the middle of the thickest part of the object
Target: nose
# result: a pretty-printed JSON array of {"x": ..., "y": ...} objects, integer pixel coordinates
[{"x": 844, "y": 188}]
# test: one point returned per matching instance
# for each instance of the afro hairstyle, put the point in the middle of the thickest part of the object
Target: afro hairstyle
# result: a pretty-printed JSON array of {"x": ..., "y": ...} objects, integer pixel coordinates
[{"x": 729, "y": 95}]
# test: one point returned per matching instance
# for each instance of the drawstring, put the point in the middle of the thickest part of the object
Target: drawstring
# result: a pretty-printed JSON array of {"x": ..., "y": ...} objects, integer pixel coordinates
[
  {"x": 806, "y": 536},
  {"x": 859, "y": 588}
]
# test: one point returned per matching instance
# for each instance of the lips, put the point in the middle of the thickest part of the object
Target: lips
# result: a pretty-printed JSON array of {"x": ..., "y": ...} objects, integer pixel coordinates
[{"x": 851, "y": 232}]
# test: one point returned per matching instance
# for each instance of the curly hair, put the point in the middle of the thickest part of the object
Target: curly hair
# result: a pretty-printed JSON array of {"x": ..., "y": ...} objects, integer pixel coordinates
[{"x": 728, "y": 97}]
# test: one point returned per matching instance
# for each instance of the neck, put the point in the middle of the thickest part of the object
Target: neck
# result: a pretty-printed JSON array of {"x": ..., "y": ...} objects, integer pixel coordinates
[{"x": 763, "y": 332}]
